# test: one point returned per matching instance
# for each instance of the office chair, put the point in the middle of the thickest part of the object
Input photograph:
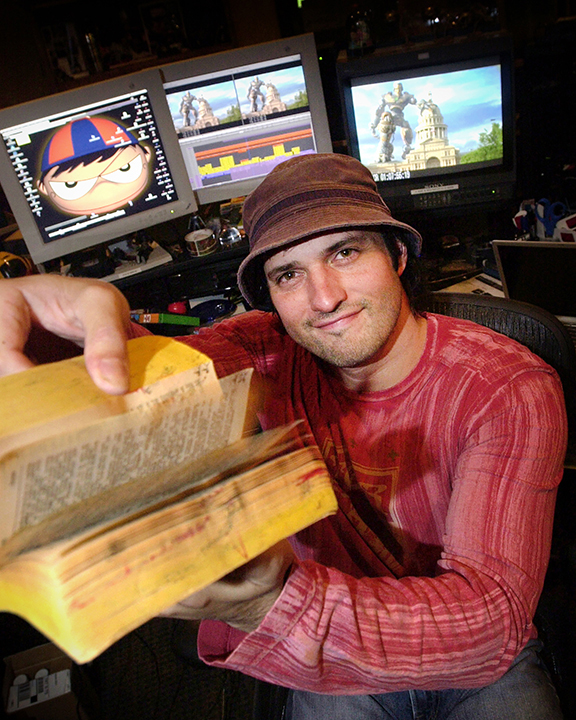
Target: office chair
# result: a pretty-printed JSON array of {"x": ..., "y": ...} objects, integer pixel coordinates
[
  {"x": 548, "y": 338},
  {"x": 537, "y": 329}
]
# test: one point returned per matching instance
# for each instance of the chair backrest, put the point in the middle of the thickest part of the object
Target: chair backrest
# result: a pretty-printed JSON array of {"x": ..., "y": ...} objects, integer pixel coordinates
[{"x": 537, "y": 329}]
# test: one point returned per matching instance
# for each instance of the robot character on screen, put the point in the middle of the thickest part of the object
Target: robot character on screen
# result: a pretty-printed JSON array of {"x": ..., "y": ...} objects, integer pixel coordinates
[
  {"x": 385, "y": 130},
  {"x": 396, "y": 102},
  {"x": 255, "y": 93},
  {"x": 187, "y": 108},
  {"x": 92, "y": 166}
]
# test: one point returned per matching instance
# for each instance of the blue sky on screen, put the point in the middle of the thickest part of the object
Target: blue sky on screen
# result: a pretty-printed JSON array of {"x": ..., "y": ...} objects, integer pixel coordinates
[
  {"x": 223, "y": 95},
  {"x": 469, "y": 100}
]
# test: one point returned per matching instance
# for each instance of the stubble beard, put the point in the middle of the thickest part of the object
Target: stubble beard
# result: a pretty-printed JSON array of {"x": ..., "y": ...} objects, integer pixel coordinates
[{"x": 350, "y": 348}]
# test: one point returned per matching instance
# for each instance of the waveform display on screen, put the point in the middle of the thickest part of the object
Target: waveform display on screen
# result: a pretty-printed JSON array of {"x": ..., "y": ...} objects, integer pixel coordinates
[{"x": 250, "y": 158}]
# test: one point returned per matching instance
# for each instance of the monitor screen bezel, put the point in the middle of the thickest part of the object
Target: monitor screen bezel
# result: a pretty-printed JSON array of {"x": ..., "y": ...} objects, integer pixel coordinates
[
  {"x": 302, "y": 45},
  {"x": 62, "y": 103},
  {"x": 431, "y": 59}
]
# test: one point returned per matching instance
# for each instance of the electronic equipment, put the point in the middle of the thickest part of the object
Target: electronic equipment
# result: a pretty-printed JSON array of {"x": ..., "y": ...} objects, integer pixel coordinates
[
  {"x": 239, "y": 113},
  {"x": 435, "y": 125},
  {"x": 539, "y": 272},
  {"x": 87, "y": 166}
]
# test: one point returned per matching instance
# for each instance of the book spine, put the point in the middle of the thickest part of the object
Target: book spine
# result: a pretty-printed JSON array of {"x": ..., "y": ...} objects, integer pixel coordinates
[{"x": 166, "y": 318}]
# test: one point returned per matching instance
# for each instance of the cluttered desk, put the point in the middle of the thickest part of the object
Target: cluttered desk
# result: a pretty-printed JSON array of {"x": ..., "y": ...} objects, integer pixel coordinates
[{"x": 541, "y": 273}]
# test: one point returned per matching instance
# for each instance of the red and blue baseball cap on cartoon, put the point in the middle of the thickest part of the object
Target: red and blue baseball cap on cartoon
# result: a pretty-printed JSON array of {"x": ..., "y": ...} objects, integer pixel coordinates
[{"x": 84, "y": 137}]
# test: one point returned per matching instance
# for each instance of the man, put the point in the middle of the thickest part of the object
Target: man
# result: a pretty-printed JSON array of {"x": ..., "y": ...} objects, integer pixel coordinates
[{"x": 417, "y": 598}]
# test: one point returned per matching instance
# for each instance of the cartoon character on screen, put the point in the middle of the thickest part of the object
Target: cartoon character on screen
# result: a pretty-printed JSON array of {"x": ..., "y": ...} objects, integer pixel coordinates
[
  {"x": 92, "y": 166},
  {"x": 396, "y": 102}
]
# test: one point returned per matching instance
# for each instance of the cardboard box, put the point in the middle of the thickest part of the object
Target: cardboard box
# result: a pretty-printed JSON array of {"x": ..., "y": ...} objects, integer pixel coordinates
[{"x": 50, "y": 686}]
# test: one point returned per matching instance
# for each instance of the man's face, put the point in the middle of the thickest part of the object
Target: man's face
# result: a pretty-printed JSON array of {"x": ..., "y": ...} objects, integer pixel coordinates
[
  {"x": 102, "y": 185},
  {"x": 338, "y": 295}
]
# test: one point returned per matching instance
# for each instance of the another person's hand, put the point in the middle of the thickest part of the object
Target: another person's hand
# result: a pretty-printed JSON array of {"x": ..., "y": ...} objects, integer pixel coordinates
[
  {"x": 91, "y": 313},
  {"x": 243, "y": 597}
]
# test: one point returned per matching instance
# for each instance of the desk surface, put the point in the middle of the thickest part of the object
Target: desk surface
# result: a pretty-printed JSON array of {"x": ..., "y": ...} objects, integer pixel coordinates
[
  {"x": 185, "y": 265},
  {"x": 482, "y": 284}
]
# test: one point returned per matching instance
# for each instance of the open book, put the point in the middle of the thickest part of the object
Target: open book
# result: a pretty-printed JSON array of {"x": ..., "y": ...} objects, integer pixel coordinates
[{"x": 115, "y": 508}]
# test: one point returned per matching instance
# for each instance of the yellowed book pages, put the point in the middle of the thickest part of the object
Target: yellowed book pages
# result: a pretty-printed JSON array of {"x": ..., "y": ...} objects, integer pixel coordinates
[
  {"x": 87, "y": 594},
  {"x": 138, "y": 501},
  {"x": 49, "y": 399},
  {"x": 183, "y": 411}
]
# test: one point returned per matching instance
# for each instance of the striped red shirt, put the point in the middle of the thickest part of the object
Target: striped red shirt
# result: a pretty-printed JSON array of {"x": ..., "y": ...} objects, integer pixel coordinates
[{"x": 429, "y": 575}]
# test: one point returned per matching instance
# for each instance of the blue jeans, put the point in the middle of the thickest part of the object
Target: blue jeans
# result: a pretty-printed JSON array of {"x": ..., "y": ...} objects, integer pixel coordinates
[{"x": 525, "y": 692}]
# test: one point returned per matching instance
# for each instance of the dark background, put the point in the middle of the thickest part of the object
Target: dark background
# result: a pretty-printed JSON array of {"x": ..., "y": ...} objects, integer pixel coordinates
[{"x": 49, "y": 46}]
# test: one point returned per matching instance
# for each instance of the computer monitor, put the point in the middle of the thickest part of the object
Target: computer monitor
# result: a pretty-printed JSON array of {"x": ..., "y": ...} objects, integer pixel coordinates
[
  {"x": 240, "y": 113},
  {"x": 435, "y": 125},
  {"x": 87, "y": 166},
  {"x": 539, "y": 272}
]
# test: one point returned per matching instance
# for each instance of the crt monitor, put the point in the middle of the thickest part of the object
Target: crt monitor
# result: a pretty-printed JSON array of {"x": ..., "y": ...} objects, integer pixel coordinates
[
  {"x": 436, "y": 125},
  {"x": 239, "y": 113},
  {"x": 91, "y": 165}
]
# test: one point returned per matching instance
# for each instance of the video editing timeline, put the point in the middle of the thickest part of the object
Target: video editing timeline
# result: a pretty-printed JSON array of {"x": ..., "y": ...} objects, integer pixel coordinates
[
  {"x": 40, "y": 147},
  {"x": 225, "y": 162},
  {"x": 239, "y": 124}
]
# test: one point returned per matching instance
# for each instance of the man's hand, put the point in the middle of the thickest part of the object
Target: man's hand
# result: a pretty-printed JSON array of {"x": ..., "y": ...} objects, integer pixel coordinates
[
  {"x": 243, "y": 597},
  {"x": 91, "y": 313}
]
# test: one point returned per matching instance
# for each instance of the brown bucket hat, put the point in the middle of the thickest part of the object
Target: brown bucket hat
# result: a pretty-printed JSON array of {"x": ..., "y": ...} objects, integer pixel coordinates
[{"x": 306, "y": 196}]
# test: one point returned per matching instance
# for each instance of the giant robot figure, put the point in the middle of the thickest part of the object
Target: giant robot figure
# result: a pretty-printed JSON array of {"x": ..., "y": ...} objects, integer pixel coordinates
[
  {"x": 186, "y": 107},
  {"x": 395, "y": 101},
  {"x": 254, "y": 93}
]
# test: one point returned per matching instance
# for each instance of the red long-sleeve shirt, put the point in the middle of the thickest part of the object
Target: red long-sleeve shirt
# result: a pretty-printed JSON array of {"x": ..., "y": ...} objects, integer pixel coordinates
[{"x": 429, "y": 575}]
